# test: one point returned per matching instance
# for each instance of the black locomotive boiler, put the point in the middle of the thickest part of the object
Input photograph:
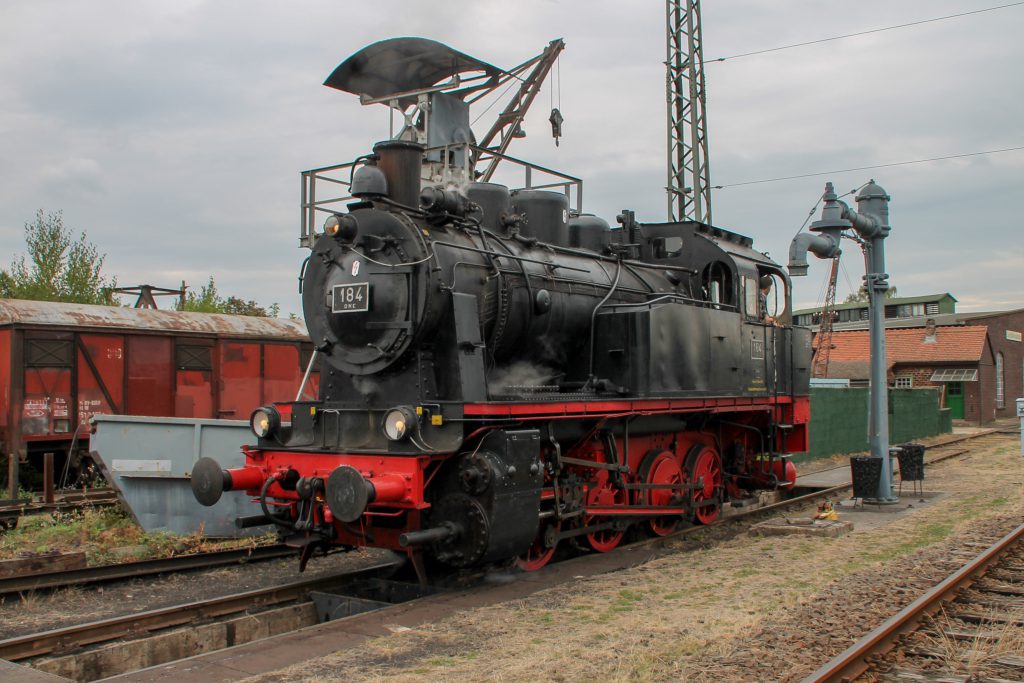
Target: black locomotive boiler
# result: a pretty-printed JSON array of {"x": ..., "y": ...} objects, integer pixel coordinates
[{"x": 501, "y": 373}]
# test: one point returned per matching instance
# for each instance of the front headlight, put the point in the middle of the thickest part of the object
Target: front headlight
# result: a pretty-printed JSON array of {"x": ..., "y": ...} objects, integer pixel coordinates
[
  {"x": 265, "y": 421},
  {"x": 399, "y": 423}
]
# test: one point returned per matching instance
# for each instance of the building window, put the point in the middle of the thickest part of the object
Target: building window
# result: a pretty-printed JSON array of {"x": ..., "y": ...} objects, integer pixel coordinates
[
  {"x": 1000, "y": 399},
  {"x": 917, "y": 309},
  {"x": 931, "y": 309},
  {"x": 954, "y": 375},
  {"x": 904, "y": 382}
]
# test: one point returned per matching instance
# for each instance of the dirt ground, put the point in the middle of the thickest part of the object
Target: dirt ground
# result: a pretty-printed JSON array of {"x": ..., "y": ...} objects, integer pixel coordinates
[{"x": 741, "y": 608}]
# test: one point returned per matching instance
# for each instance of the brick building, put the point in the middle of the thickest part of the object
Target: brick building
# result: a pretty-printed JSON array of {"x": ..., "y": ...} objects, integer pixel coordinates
[
  {"x": 988, "y": 394},
  {"x": 956, "y": 360},
  {"x": 1006, "y": 337}
]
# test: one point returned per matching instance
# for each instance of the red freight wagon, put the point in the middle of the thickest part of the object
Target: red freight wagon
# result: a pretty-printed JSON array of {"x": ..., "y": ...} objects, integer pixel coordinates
[{"x": 60, "y": 364}]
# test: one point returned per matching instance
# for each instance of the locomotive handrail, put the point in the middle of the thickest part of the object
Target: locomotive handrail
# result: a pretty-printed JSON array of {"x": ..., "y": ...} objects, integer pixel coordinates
[
  {"x": 675, "y": 297},
  {"x": 593, "y": 316},
  {"x": 497, "y": 255},
  {"x": 326, "y": 177}
]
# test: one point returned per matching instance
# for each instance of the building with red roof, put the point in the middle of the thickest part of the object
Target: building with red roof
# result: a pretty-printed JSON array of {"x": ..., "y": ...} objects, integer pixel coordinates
[
  {"x": 956, "y": 360},
  {"x": 976, "y": 384}
]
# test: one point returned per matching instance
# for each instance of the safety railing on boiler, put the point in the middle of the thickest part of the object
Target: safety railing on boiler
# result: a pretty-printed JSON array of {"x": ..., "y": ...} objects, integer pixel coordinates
[{"x": 326, "y": 190}]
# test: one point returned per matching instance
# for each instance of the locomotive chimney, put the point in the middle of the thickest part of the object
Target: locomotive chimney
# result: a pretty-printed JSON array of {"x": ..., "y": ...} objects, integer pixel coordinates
[{"x": 401, "y": 162}]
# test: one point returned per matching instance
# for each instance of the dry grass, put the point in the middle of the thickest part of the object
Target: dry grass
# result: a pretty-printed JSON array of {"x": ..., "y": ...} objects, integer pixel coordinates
[
  {"x": 970, "y": 656},
  {"x": 747, "y": 608},
  {"x": 105, "y": 535}
]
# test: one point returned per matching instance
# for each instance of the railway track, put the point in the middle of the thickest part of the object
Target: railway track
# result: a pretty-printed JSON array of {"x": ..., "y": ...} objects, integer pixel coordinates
[
  {"x": 13, "y": 510},
  {"x": 199, "y": 614},
  {"x": 133, "y": 570},
  {"x": 952, "y": 632},
  {"x": 133, "y": 625},
  {"x": 288, "y": 607}
]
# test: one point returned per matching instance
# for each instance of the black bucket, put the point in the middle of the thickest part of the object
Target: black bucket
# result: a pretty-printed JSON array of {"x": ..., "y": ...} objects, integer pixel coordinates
[
  {"x": 866, "y": 471},
  {"x": 911, "y": 458}
]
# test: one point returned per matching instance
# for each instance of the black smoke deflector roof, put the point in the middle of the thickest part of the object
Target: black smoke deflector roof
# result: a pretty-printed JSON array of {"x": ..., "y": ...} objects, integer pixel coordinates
[{"x": 401, "y": 65}]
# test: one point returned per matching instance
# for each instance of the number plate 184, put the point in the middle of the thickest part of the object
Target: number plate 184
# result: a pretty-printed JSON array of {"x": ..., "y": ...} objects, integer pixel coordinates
[{"x": 351, "y": 298}]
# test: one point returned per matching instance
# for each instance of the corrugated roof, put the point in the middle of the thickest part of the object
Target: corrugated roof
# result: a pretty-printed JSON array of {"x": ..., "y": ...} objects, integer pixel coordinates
[
  {"x": 941, "y": 319},
  {"x": 960, "y": 344},
  {"x": 895, "y": 301},
  {"x": 56, "y": 314},
  {"x": 987, "y": 314}
]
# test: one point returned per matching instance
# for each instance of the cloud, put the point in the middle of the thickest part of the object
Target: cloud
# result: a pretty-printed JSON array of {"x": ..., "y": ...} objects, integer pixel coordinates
[
  {"x": 174, "y": 133},
  {"x": 73, "y": 176}
]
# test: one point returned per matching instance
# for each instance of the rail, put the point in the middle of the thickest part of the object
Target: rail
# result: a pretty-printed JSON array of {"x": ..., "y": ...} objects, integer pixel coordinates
[
  {"x": 61, "y": 639},
  {"x": 853, "y": 662},
  {"x": 132, "y": 570}
]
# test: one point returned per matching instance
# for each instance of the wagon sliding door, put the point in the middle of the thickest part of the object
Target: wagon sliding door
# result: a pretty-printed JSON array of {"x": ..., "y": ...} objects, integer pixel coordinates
[
  {"x": 100, "y": 376},
  {"x": 282, "y": 372},
  {"x": 150, "y": 376},
  {"x": 48, "y": 394},
  {"x": 240, "y": 391},
  {"x": 193, "y": 379}
]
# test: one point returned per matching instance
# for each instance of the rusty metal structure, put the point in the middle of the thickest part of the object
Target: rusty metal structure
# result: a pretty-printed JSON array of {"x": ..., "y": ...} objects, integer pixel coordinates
[
  {"x": 62, "y": 363},
  {"x": 508, "y": 125},
  {"x": 146, "y": 294}
]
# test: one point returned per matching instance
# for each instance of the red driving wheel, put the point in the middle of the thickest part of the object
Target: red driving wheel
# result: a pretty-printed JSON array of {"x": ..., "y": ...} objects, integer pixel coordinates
[
  {"x": 705, "y": 465},
  {"x": 538, "y": 554},
  {"x": 604, "y": 494},
  {"x": 661, "y": 468}
]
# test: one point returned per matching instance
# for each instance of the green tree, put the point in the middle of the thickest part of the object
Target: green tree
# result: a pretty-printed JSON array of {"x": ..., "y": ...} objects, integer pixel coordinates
[
  {"x": 861, "y": 295},
  {"x": 209, "y": 300},
  {"x": 59, "y": 267}
]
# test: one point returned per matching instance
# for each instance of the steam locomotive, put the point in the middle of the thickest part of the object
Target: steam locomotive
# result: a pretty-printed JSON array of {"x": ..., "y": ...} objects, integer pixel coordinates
[{"x": 501, "y": 373}]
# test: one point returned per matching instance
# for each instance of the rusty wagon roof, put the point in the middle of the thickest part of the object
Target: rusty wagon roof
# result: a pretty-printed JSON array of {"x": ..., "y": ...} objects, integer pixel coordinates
[{"x": 17, "y": 312}]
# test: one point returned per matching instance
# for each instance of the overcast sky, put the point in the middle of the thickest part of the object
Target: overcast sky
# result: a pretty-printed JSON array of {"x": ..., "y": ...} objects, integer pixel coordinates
[{"x": 174, "y": 133}]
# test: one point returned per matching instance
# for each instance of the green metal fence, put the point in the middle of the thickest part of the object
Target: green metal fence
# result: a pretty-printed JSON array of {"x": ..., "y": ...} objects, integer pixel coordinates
[{"x": 839, "y": 419}]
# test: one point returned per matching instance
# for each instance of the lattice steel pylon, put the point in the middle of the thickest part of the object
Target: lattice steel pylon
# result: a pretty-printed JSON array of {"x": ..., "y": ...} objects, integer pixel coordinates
[{"x": 689, "y": 185}]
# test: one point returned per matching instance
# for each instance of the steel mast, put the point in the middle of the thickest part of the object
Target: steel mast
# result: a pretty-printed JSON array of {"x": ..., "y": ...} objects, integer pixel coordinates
[{"x": 688, "y": 184}]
